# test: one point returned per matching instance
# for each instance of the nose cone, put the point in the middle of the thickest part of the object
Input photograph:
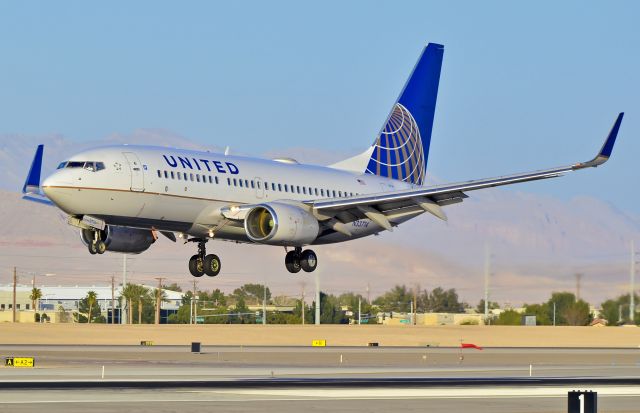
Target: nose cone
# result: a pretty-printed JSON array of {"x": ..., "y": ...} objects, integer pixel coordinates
[{"x": 58, "y": 188}]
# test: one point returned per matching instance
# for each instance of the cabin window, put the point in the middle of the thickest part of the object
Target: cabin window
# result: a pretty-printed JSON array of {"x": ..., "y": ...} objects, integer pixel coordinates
[
  {"x": 273, "y": 186},
  {"x": 179, "y": 176},
  {"x": 100, "y": 166},
  {"x": 191, "y": 177},
  {"x": 280, "y": 187},
  {"x": 166, "y": 175},
  {"x": 229, "y": 181},
  {"x": 340, "y": 194},
  {"x": 235, "y": 182},
  {"x": 216, "y": 179},
  {"x": 321, "y": 192},
  {"x": 240, "y": 182},
  {"x": 304, "y": 190},
  {"x": 173, "y": 176},
  {"x": 246, "y": 183},
  {"x": 159, "y": 174},
  {"x": 197, "y": 177},
  {"x": 253, "y": 185},
  {"x": 298, "y": 189},
  {"x": 286, "y": 188},
  {"x": 334, "y": 193},
  {"x": 316, "y": 191}
]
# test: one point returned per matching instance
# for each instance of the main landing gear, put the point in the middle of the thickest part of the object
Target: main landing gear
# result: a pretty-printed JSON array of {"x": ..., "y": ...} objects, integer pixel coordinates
[
  {"x": 201, "y": 263},
  {"x": 297, "y": 260}
]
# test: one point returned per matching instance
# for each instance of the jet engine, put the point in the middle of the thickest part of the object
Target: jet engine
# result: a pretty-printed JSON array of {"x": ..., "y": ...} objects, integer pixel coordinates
[
  {"x": 122, "y": 239},
  {"x": 278, "y": 223}
]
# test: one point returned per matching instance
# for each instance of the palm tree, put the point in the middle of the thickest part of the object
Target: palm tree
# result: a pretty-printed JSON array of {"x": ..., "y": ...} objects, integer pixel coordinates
[
  {"x": 36, "y": 294},
  {"x": 134, "y": 293},
  {"x": 92, "y": 298},
  {"x": 159, "y": 297}
]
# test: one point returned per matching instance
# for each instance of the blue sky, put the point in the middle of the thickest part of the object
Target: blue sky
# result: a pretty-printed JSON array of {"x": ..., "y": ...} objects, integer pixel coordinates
[{"x": 524, "y": 85}]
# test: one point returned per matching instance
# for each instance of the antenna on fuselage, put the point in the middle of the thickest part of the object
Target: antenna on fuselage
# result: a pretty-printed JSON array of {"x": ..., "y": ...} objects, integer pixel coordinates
[{"x": 226, "y": 151}]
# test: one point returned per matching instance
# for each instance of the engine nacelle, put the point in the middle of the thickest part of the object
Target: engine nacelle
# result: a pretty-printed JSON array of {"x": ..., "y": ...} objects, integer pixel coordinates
[
  {"x": 122, "y": 239},
  {"x": 278, "y": 223}
]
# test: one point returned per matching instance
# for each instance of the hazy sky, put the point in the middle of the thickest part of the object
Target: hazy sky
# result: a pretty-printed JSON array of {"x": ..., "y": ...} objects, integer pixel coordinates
[{"x": 523, "y": 85}]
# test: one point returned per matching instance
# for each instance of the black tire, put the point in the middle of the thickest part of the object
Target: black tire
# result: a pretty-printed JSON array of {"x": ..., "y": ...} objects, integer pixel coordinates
[
  {"x": 100, "y": 247},
  {"x": 212, "y": 265},
  {"x": 196, "y": 267},
  {"x": 92, "y": 248},
  {"x": 308, "y": 260},
  {"x": 292, "y": 262}
]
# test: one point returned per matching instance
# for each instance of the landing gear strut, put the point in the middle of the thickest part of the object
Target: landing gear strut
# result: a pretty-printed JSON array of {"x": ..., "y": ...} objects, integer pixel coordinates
[
  {"x": 297, "y": 260},
  {"x": 201, "y": 263}
]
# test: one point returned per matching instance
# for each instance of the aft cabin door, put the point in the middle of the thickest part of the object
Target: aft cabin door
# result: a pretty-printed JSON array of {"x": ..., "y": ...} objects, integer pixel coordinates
[
  {"x": 137, "y": 177},
  {"x": 259, "y": 187}
]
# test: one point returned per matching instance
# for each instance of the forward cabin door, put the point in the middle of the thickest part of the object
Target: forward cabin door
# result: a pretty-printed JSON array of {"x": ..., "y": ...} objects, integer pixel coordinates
[{"x": 137, "y": 176}]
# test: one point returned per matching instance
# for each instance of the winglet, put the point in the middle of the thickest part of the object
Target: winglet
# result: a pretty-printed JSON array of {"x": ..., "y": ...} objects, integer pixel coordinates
[
  {"x": 32, "y": 184},
  {"x": 607, "y": 147}
]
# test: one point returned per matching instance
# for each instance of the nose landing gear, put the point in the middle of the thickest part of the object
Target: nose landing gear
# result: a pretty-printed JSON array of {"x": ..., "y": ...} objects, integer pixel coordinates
[
  {"x": 201, "y": 263},
  {"x": 96, "y": 244},
  {"x": 297, "y": 260}
]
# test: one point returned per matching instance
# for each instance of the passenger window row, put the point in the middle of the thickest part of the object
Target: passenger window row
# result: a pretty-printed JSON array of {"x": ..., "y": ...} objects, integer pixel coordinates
[
  {"x": 184, "y": 176},
  {"x": 251, "y": 184}
]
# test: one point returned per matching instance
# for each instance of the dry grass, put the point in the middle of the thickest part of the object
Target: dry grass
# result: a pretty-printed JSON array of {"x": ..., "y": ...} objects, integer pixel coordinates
[{"x": 336, "y": 335}]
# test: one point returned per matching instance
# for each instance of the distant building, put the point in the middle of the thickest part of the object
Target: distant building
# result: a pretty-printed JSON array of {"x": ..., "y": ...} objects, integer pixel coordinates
[{"x": 69, "y": 297}]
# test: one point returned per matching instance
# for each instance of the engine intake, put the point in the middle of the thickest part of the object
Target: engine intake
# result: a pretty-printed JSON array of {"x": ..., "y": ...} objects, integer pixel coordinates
[
  {"x": 122, "y": 239},
  {"x": 281, "y": 224}
]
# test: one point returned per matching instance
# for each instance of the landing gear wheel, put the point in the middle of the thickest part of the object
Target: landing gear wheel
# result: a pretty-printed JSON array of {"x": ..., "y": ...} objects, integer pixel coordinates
[
  {"x": 212, "y": 265},
  {"x": 92, "y": 249},
  {"x": 292, "y": 261},
  {"x": 196, "y": 266},
  {"x": 308, "y": 260},
  {"x": 100, "y": 247}
]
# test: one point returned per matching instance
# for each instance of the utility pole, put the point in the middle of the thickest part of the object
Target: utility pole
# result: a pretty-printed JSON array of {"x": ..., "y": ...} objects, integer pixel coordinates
[
  {"x": 415, "y": 304},
  {"x": 317, "y": 299},
  {"x": 487, "y": 275},
  {"x": 15, "y": 281},
  {"x": 632, "y": 276},
  {"x": 359, "y": 311},
  {"x": 113, "y": 299},
  {"x": 123, "y": 300},
  {"x": 159, "y": 299},
  {"x": 578, "y": 282},
  {"x": 554, "y": 313},
  {"x": 302, "y": 305},
  {"x": 264, "y": 306},
  {"x": 368, "y": 294},
  {"x": 140, "y": 310}
]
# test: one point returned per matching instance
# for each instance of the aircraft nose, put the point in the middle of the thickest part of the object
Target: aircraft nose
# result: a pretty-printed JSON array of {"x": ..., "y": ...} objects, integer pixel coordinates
[{"x": 57, "y": 188}]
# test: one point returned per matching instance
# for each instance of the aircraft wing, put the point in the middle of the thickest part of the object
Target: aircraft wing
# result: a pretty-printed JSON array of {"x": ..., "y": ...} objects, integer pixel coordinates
[{"x": 382, "y": 207}]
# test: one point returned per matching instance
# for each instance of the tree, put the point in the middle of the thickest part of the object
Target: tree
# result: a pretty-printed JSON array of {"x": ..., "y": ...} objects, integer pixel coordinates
[
  {"x": 577, "y": 314},
  {"x": 159, "y": 297},
  {"x": 492, "y": 306},
  {"x": 562, "y": 300},
  {"x": 135, "y": 295},
  {"x": 36, "y": 294},
  {"x": 509, "y": 318},
  {"x": 252, "y": 292},
  {"x": 613, "y": 308},
  {"x": 397, "y": 299},
  {"x": 88, "y": 307},
  {"x": 541, "y": 311},
  {"x": 444, "y": 301}
]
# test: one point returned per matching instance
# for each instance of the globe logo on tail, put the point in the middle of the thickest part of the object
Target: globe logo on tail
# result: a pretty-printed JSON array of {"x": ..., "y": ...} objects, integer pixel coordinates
[{"x": 398, "y": 152}]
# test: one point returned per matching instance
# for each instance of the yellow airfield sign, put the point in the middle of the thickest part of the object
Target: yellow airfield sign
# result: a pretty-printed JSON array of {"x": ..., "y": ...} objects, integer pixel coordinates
[
  {"x": 19, "y": 362},
  {"x": 319, "y": 343}
]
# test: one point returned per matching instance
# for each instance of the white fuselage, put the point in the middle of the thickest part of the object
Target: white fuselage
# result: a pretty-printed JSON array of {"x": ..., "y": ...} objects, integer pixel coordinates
[{"x": 185, "y": 191}]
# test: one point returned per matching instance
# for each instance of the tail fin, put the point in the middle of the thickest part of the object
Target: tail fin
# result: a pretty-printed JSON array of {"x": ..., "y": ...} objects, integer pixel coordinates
[{"x": 402, "y": 147}]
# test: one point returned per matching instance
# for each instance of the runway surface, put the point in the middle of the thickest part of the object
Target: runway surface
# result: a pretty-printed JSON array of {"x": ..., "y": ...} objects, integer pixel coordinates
[{"x": 283, "y": 379}]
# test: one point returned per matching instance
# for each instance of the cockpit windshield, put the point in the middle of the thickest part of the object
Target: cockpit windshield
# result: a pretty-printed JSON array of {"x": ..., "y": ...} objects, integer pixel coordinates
[{"x": 89, "y": 166}]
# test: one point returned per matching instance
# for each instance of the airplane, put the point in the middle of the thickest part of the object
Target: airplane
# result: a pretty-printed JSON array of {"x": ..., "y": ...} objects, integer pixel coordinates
[{"x": 121, "y": 197}]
